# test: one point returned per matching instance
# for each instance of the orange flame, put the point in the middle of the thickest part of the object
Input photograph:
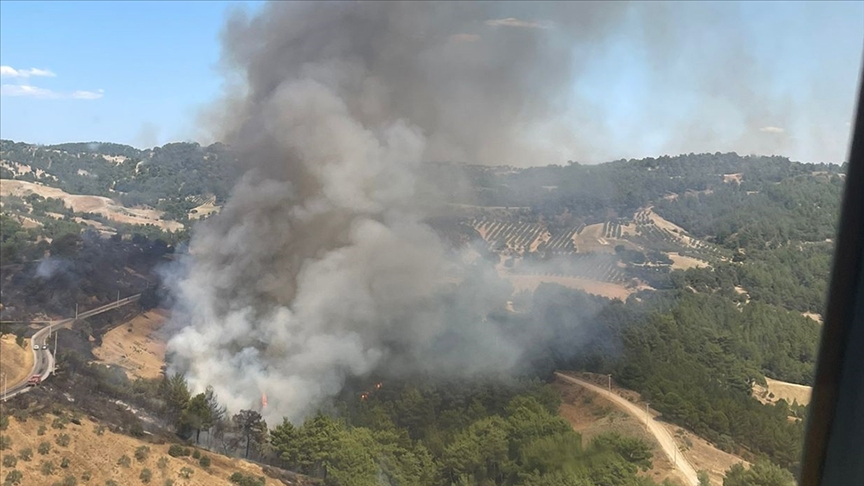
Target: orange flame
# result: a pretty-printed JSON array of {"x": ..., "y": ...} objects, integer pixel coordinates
[{"x": 263, "y": 400}]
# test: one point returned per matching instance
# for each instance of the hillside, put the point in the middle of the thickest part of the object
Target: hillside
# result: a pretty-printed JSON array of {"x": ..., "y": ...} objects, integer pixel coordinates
[{"x": 63, "y": 446}]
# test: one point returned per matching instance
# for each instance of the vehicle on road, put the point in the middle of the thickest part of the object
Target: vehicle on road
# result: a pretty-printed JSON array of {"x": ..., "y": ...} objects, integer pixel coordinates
[
  {"x": 34, "y": 380},
  {"x": 36, "y": 347},
  {"x": 44, "y": 346}
]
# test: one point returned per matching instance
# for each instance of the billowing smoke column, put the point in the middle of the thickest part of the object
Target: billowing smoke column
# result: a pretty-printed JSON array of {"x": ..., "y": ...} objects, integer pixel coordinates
[{"x": 320, "y": 266}]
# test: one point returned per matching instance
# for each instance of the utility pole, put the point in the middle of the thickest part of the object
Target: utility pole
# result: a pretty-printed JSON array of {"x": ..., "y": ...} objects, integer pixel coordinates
[
  {"x": 118, "y": 298},
  {"x": 610, "y": 384},
  {"x": 76, "y": 312},
  {"x": 5, "y": 387}
]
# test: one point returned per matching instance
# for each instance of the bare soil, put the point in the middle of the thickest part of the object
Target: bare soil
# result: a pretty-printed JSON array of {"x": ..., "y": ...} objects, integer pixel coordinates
[
  {"x": 699, "y": 452},
  {"x": 782, "y": 390},
  {"x": 98, "y": 454},
  {"x": 15, "y": 361},
  {"x": 681, "y": 262},
  {"x": 603, "y": 289},
  {"x": 91, "y": 204},
  {"x": 137, "y": 346}
]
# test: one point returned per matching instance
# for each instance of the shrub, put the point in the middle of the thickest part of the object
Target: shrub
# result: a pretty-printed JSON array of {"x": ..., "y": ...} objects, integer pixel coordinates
[
  {"x": 44, "y": 447},
  {"x": 86, "y": 476},
  {"x": 244, "y": 480},
  {"x": 69, "y": 481},
  {"x": 47, "y": 468},
  {"x": 25, "y": 454},
  {"x": 186, "y": 473},
  {"x": 177, "y": 450},
  {"x": 14, "y": 477},
  {"x": 168, "y": 482},
  {"x": 162, "y": 463},
  {"x": 9, "y": 460},
  {"x": 142, "y": 453},
  {"x": 99, "y": 429},
  {"x": 196, "y": 454},
  {"x": 145, "y": 475},
  {"x": 124, "y": 461},
  {"x": 110, "y": 482},
  {"x": 63, "y": 440},
  {"x": 64, "y": 463},
  {"x": 5, "y": 442},
  {"x": 4, "y": 422},
  {"x": 58, "y": 423},
  {"x": 204, "y": 461},
  {"x": 20, "y": 415},
  {"x": 136, "y": 429},
  {"x": 41, "y": 430}
]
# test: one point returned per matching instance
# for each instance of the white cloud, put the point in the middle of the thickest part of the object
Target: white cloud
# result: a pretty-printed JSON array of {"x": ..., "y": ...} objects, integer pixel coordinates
[
  {"x": 772, "y": 130},
  {"x": 28, "y": 91},
  {"x": 88, "y": 95},
  {"x": 514, "y": 22},
  {"x": 10, "y": 72}
]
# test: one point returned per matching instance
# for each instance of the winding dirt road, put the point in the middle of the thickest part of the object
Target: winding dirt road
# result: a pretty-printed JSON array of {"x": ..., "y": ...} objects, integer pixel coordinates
[{"x": 663, "y": 437}]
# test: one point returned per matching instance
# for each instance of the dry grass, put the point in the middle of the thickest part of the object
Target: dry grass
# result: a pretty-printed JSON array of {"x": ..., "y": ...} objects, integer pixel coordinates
[
  {"x": 681, "y": 262},
  {"x": 591, "y": 240},
  {"x": 814, "y": 316},
  {"x": 603, "y": 289},
  {"x": 591, "y": 415},
  {"x": 137, "y": 346},
  {"x": 701, "y": 454},
  {"x": 98, "y": 455},
  {"x": 15, "y": 361},
  {"x": 782, "y": 390},
  {"x": 90, "y": 204}
]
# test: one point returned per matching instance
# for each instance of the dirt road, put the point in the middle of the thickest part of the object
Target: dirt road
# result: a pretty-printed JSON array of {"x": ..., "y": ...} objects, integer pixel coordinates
[{"x": 663, "y": 437}]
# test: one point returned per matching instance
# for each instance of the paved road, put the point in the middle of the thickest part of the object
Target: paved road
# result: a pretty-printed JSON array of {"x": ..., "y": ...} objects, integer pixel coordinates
[
  {"x": 43, "y": 359},
  {"x": 661, "y": 434}
]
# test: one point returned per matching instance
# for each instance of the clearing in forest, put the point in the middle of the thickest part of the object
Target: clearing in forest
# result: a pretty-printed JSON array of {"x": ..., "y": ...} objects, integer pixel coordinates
[
  {"x": 137, "y": 345},
  {"x": 15, "y": 361}
]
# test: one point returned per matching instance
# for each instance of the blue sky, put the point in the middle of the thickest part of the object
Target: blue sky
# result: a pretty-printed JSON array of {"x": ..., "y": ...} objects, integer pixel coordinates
[{"x": 139, "y": 72}]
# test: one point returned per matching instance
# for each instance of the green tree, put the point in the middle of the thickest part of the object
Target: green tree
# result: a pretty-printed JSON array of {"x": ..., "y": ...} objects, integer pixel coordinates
[
  {"x": 197, "y": 414},
  {"x": 252, "y": 428}
]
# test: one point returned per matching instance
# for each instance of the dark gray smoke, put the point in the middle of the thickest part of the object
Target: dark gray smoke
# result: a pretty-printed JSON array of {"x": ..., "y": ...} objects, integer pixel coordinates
[{"x": 320, "y": 266}]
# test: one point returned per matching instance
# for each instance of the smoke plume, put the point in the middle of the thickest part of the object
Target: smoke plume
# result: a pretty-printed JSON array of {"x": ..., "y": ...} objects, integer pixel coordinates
[{"x": 320, "y": 266}]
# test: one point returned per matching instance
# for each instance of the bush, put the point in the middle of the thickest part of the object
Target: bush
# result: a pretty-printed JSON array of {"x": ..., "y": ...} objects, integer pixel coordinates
[
  {"x": 99, "y": 429},
  {"x": 162, "y": 463},
  {"x": 86, "y": 476},
  {"x": 69, "y": 481},
  {"x": 110, "y": 482},
  {"x": 9, "y": 460},
  {"x": 64, "y": 463},
  {"x": 47, "y": 468},
  {"x": 177, "y": 450},
  {"x": 186, "y": 473},
  {"x": 4, "y": 422},
  {"x": 44, "y": 447},
  {"x": 204, "y": 461},
  {"x": 142, "y": 453},
  {"x": 63, "y": 440},
  {"x": 5, "y": 442},
  {"x": 136, "y": 429},
  {"x": 14, "y": 477},
  {"x": 168, "y": 482},
  {"x": 124, "y": 461},
  {"x": 58, "y": 423},
  {"x": 20, "y": 415},
  {"x": 25, "y": 454},
  {"x": 145, "y": 475},
  {"x": 196, "y": 454},
  {"x": 244, "y": 480},
  {"x": 41, "y": 430}
]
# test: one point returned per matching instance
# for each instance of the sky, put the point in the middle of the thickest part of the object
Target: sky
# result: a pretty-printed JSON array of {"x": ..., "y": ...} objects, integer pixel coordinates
[{"x": 754, "y": 77}]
